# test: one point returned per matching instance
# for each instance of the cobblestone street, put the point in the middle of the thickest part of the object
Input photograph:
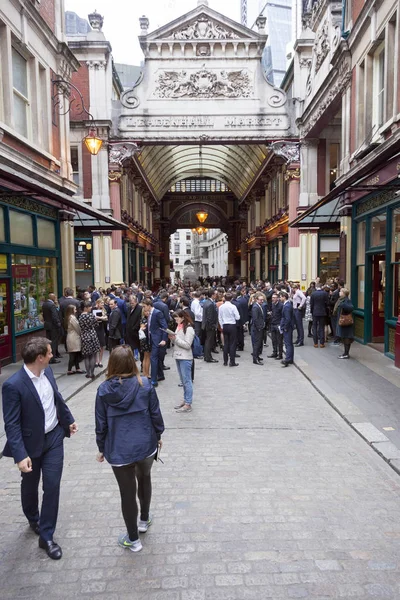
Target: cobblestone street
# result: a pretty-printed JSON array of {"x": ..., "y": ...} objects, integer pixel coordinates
[{"x": 265, "y": 493}]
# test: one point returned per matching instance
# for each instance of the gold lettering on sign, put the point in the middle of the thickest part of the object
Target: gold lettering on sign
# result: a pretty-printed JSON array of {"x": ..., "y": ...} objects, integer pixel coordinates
[
  {"x": 398, "y": 166},
  {"x": 373, "y": 180}
]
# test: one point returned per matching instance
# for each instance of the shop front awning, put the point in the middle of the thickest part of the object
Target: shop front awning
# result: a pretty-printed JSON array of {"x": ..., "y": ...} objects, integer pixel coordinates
[
  {"x": 319, "y": 214},
  {"x": 84, "y": 215}
]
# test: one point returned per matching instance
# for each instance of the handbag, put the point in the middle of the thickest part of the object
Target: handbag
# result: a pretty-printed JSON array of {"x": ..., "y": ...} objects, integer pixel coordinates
[{"x": 346, "y": 320}]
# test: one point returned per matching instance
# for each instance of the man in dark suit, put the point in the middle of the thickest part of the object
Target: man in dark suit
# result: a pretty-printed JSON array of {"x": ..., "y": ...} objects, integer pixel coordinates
[
  {"x": 161, "y": 305},
  {"x": 157, "y": 338},
  {"x": 133, "y": 324},
  {"x": 286, "y": 327},
  {"x": 242, "y": 304},
  {"x": 36, "y": 421},
  {"x": 52, "y": 324},
  {"x": 114, "y": 325},
  {"x": 275, "y": 323},
  {"x": 319, "y": 303},
  {"x": 257, "y": 328},
  {"x": 209, "y": 324}
]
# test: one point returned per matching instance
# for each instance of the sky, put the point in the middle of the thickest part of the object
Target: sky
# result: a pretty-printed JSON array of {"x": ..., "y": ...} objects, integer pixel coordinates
[{"x": 121, "y": 19}]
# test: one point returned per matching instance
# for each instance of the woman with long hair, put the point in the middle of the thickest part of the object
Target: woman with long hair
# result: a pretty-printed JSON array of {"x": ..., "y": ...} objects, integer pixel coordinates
[
  {"x": 129, "y": 425},
  {"x": 183, "y": 354},
  {"x": 345, "y": 323},
  {"x": 90, "y": 341},
  {"x": 73, "y": 339}
]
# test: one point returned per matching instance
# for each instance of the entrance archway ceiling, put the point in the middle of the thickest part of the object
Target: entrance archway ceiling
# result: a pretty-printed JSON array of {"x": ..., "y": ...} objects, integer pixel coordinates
[{"x": 238, "y": 165}]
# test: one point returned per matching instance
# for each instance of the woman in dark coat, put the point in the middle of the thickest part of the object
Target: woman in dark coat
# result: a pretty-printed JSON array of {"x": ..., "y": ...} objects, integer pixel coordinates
[
  {"x": 129, "y": 425},
  {"x": 343, "y": 307}
]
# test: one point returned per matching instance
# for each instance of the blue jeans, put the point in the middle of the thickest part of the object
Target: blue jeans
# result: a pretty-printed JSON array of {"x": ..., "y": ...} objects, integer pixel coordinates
[{"x": 185, "y": 373}]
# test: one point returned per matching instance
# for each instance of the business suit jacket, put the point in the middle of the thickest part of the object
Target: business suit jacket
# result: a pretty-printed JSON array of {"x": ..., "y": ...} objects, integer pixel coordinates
[
  {"x": 51, "y": 316},
  {"x": 133, "y": 326},
  {"x": 257, "y": 317},
  {"x": 114, "y": 325},
  {"x": 287, "y": 317},
  {"x": 242, "y": 303},
  {"x": 161, "y": 306},
  {"x": 157, "y": 321},
  {"x": 210, "y": 315},
  {"x": 319, "y": 303},
  {"x": 64, "y": 302},
  {"x": 24, "y": 416}
]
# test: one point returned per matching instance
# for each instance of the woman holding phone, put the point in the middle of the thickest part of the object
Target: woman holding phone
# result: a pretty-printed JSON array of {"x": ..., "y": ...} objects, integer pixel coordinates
[
  {"x": 182, "y": 341},
  {"x": 101, "y": 317}
]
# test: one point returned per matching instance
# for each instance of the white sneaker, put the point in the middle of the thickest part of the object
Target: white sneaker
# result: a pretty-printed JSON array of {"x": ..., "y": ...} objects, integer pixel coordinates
[
  {"x": 144, "y": 525},
  {"x": 125, "y": 542}
]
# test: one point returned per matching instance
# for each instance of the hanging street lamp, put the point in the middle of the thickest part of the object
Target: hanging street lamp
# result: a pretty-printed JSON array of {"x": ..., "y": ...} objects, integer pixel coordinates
[{"x": 202, "y": 216}]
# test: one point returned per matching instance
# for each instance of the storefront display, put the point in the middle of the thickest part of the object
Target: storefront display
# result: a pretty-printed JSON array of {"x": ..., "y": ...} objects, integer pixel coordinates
[{"x": 34, "y": 278}]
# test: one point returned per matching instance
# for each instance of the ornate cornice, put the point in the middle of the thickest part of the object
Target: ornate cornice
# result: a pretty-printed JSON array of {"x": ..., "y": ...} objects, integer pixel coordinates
[{"x": 290, "y": 151}]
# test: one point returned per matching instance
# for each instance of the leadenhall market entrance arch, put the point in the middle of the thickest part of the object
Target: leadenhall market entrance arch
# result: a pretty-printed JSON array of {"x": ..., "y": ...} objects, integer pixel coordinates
[{"x": 208, "y": 124}]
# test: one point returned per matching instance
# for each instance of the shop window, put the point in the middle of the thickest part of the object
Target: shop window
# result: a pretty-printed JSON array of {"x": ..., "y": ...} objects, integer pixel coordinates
[
  {"x": 360, "y": 262},
  {"x": 378, "y": 231},
  {"x": 2, "y": 229},
  {"x": 34, "y": 278},
  {"x": 46, "y": 233},
  {"x": 21, "y": 229},
  {"x": 83, "y": 255},
  {"x": 395, "y": 257},
  {"x": 20, "y": 93},
  {"x": 329, "y": 258}
]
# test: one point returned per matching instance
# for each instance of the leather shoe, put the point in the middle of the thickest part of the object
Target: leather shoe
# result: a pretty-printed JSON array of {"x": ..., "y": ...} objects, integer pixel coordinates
[
  {"x": 237, "y": 355},
  {"x": 234, "y": 365},
  {"x": 260, "y": 358},
  {"x": 272, "y": 356},
  {"x": 53, "y": 550},
  {"x": 154, "y": 383},
  {"x": 298, "y": 344},
  {"x": 225, "y": 364},
  {"x": 54, "y": 361},
  {"x": 279, "y": 357},
  {"x": 35, "y": 526},
  {"x": 166, "y": 368},
  {"x": 257, "y": 362},
  {"x": 215, "y": 351},
  {"x": 213, "y": 360},
  {"x": 160, "y": 378}
]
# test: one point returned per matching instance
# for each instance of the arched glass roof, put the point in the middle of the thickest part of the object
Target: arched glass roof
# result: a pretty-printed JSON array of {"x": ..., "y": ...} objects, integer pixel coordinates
[{"x": 237, "y": 165}]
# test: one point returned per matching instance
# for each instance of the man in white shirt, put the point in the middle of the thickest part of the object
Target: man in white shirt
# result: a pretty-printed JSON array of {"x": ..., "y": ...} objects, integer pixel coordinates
[
  {"x": 197, "y": 309},
  {"x": 36, "y": 421},
  {"x": 299, "y": 306},
  {"x": 228, "y": 317}
]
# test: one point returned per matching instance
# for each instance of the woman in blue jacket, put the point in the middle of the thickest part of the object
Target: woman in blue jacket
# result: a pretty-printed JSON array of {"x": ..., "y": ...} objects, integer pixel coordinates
[{"x": 129, "y": 425}]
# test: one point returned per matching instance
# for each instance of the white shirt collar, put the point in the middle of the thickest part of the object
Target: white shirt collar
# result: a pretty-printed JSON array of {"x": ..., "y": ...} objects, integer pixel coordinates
[{"x": 32, "y": 375}]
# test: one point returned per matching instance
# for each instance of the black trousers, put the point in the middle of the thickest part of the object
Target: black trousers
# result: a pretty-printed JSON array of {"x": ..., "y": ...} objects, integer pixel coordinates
[
  {"x": 209, "y": 344},
  {"x": 240, "y": 337},
  {"x": 277, "y": 341},
  {"x": 53, "y": 336},
  {"x": 113, "y": 343},
  {"x": 126, "y": 478},
  {"x": 257, "y": 341},
  {"x": 230, "y": 342},
  {"x": 73, "y": 360},
  {"x": 319, "y": 329}
]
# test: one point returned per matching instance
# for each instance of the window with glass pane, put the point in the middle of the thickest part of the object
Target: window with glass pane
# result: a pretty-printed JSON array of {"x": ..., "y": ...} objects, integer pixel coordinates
[
  {"x": 46, "y": 234},
  {"x": 83, "y": 255},
  {"x": 381, "y": 88},
  {"x": 20, "y": 92},
  {"x": 378, "y": 231},
  {"x": 177, "y": 249},
  {"x": 75, "y": 165},
  {"x": 2, "y": 230},
  {"x": 21, "y": 229},
  {"x": 35, "y": 277}
]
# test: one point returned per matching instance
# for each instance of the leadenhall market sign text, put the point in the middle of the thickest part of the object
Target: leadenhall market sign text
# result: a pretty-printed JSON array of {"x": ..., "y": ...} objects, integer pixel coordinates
[{"x": 273, "y": 122}]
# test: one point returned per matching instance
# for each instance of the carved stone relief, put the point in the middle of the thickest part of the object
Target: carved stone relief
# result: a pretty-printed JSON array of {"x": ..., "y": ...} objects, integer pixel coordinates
[
  {"x": 321, "y": 46},
  {"x": 204, "y": 84},
  {"x": 290, "y": 151},
  {"x": 128, "y": 98},
  {"x": 119, "y": 152},
  {"x": 203, "y": 29}
]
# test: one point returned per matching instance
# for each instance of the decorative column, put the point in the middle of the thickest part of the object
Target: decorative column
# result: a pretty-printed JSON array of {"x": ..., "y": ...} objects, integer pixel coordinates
[
  {"x": 166, "y": 235},
  {"x": 309, "y": 172},
  {"x": 114, "y": 176},
  {"x": 67, "y": 250},
  {"x": 345, "y": 245},
  {"x": 292, "y": 176},
  {"x": 231, "y": 252},
  {"x": 280, "y": 258},
  {"x": 243, "y": 261}
]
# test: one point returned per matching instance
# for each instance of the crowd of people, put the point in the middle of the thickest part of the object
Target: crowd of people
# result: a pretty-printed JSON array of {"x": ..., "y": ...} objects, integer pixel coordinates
[{"x": 195, "y": 321}]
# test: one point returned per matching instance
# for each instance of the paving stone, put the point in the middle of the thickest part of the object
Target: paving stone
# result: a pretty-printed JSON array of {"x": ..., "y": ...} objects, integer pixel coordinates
[{"x": 388, "y": 450}]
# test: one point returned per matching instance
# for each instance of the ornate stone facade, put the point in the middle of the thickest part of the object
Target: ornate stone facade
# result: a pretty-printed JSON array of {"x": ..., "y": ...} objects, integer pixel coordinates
[
  {"x": 205, "y": 83},
  {"x": 203, "y": 28}
]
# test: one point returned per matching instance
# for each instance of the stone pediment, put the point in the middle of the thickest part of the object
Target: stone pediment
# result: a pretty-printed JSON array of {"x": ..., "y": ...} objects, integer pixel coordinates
[{"x": 202, "y": 23}]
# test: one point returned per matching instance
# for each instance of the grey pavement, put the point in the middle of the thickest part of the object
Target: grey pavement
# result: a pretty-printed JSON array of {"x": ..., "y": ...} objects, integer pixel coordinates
[{"x": 266, "y": 492}]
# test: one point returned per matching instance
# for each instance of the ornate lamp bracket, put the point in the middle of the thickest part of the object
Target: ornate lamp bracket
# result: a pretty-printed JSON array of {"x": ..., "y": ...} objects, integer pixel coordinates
[{"x": 290, "y": 151}]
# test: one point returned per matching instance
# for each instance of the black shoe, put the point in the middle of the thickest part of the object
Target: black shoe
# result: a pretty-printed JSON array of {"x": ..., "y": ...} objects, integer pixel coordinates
[
  {"x": 160, "y": 378},
  {"x": 310, "y": 335},
  {"x": 154, "y": 383},
  {"x": 166, "y": 368},
  {"x": 286, "y": 362},
  {"x": 215, "y": 351},
  {"x": 272, "y": 356},
  {"x": 54, "y": 361},
  {"x": 260, "y": 358},
  {"x": 225, "y": 364},
  {"x": 237, "y": 355},
  {"x": 212, "y": 360},
  {"x": 35, "y": 526},
  {"x": 58, "y": 356},
  {"x": 180, "y": 384},
  {"x": 279, "y": 357},
  {"x": 53, "y": 550},
  {"x": 234, "y": 365},
  {"x": 300, "y": 344},
  {"x": 257, "y": 362}
]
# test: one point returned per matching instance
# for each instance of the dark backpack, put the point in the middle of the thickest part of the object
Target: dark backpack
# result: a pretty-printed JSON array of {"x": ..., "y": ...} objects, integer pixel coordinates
[{"x": 197, "y": 348}]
